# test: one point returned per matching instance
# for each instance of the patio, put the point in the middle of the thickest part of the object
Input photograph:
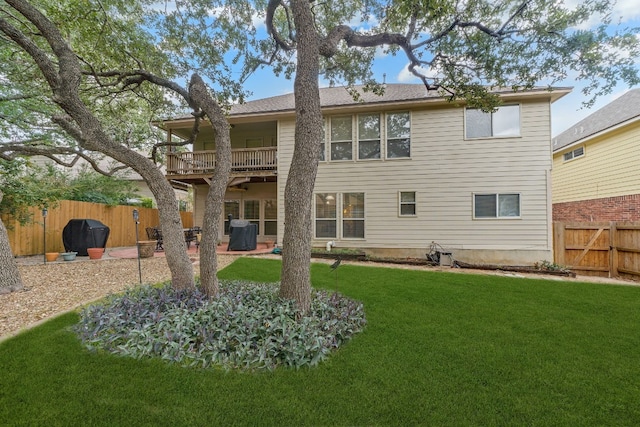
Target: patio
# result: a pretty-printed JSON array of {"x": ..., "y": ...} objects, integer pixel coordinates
[{"x": 131, "y": 252}]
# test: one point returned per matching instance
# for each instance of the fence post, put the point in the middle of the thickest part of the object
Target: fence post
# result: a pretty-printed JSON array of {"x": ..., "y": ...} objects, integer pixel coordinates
[
  {"x": 613, "y": 249},
  {"x": 558, "y": 243}
]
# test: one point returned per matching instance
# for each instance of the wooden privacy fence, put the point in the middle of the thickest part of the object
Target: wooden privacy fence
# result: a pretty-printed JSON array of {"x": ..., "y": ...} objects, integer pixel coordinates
[
  {"x": 28, "y": 239},
  {"x": 608, "y": 249}
]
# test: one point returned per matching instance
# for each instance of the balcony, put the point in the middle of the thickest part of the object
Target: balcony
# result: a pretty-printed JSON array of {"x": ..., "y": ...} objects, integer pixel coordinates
[{"x": 197, "y": 167}]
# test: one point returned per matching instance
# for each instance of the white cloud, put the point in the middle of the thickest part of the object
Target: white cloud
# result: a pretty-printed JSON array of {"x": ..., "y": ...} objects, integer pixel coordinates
[
  {"x": 405, "y": 76},
  {"x": 623, "y": 12}
]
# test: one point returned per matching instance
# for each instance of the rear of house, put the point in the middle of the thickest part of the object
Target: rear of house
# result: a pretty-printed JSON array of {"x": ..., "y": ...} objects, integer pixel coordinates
[{"x": 397, "y": 173}]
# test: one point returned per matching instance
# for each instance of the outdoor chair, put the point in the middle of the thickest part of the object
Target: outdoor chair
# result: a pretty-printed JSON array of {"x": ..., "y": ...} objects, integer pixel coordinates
[
  {"x": 189, "y": 236},
  {"x": 154, "y": 233}
]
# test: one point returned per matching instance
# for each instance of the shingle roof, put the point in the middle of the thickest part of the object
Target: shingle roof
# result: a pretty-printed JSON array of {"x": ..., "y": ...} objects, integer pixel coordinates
[
  {"x": 339, "y": 96},
  {"x": 623, "y": 109},
  {"x": 336, "y": 96}
]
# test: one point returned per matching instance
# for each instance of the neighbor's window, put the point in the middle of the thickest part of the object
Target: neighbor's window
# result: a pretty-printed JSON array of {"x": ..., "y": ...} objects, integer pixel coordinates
[
  {"x": 353, "y": 215},
  {"x": 231, "y": 207},
  {"x": 578, "y": 152},
  {"x": 398, "y": 135},
  {"x": 326, "y": 215},
  {"x": 270, "y": 218},
  {"x": 341, "y": 137},
  {"x": 496, "y": 205},
  {"x": 407, "y": 201},
  {"x": 368, "y": 136},
  {"x": 505, "y": 121}
]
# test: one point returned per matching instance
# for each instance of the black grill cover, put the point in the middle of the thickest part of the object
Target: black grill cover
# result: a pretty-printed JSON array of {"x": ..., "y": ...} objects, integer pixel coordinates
[
  {"x": 80, "y": 234},
  {"x": 243, "y": 236}
]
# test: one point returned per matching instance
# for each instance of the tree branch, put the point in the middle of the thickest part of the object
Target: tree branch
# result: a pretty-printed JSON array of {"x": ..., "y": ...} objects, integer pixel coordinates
[{"x": 271, "y": 28}]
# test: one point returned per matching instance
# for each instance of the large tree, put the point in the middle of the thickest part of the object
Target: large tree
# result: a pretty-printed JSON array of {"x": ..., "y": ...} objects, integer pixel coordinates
[
  {"x": 461, "y": 49},
  {"x": 10, "y": 279},
  {"x": 94, "y": 62}
]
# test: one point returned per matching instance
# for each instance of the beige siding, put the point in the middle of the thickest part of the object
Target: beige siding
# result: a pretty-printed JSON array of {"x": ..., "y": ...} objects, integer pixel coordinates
[
  {"x": 444, "y": 171},
  {"x": 286, "y": 133},
  {"x": 256, "y": 191},
  {"x": 609, "y": 168}
]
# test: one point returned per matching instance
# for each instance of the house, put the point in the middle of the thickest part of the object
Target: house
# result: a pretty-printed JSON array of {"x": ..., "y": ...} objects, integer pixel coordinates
[
  {"x": 397, "y": 172},
  {"x": 595, "y": 165}
]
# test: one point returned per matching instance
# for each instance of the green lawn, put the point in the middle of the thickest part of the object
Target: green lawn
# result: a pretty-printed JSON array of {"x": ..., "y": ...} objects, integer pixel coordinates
[{"x": 439, "y": 349}]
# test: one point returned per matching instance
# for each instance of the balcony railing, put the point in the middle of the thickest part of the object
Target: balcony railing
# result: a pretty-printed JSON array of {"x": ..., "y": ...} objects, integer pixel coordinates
[{"x": 256, "y": 160}]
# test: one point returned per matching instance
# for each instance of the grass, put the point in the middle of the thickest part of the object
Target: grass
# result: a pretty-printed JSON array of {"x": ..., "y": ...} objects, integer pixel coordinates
[{"x": 439, "y": 349}]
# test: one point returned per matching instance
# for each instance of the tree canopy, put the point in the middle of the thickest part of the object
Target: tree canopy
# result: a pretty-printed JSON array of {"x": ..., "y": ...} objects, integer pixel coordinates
[{"x": 463, "y": 49}]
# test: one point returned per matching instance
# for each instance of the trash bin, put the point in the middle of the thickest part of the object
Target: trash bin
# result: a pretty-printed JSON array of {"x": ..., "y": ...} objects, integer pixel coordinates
[{"x": 243, "y": 236}]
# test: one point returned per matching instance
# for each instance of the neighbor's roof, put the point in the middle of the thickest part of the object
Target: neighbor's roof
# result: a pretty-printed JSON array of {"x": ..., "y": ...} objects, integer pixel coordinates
[{"x": 622, "y": 110}]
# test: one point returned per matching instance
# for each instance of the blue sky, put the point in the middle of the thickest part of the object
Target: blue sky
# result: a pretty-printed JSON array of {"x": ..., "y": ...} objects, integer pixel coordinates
[{"x": 565, "y": 112}]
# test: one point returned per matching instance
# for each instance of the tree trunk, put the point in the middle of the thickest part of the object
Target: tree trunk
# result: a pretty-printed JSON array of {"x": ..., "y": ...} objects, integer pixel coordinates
[
  {"x": 218, "y": 186},
  {"x": 10, "y": 279},
  {"x": 296, "y": 256}
]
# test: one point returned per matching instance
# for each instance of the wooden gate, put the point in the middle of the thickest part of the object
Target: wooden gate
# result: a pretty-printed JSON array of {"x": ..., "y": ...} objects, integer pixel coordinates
[{"x": 608, "y": 249}]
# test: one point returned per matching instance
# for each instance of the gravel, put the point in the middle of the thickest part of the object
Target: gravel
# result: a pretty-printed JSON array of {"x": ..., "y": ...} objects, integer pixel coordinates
[{"x": 58, "y": 287}]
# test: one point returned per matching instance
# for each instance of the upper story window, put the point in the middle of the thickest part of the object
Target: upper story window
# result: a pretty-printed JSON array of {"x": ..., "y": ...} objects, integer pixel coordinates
[
  {"x": 578, "y": 152},
  {"x": 398, "y": 135},
  {"x": 496, "y": 205},
  {"x": 503, "y": 122},
  {"x": 341, "y": 138},
  {"x": 373, "y": 134},
  {"x": 368, "y": 136}
]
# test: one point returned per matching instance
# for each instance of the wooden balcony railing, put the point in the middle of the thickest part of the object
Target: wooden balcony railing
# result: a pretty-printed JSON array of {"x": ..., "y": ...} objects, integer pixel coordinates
[{"x": 203, "y": 162}]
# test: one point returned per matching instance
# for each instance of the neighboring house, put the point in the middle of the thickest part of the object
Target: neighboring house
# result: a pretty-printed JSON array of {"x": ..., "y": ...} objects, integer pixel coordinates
[
  {"x": 396, "y": 173},
  {"x": 596, "y": 165}
]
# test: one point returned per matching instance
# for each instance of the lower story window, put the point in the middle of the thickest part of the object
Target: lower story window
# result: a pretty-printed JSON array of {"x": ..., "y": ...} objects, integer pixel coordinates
[
  {"x": 353, "y": 215},
  {"x": 252, "y": 212},
  {"x": 326, "y": 215},
  {"x": 270, "y": 218},
  {"x": 231, "y": 207},
  {"x": 333, "y": 209},
  {"x": 407, "y": 203},
  {"x": 503, "y": 205}
]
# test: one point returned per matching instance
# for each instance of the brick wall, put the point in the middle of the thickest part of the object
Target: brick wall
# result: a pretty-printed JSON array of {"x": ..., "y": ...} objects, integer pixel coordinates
[{"x": 622, "y": 208}]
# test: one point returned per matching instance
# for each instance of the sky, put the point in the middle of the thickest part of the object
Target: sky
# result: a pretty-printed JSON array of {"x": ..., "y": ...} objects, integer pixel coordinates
[{"x": 565, "y": 112}]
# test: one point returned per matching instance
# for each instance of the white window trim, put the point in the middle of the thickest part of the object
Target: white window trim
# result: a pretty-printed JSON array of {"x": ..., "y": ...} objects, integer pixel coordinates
[
  {"x": 385, "y": 140},
  {"x": 353, "y": 136},
  {"x": 573, "y": 154},
  {"x": 336, "y": 219},
  {"x": 342, "y": 218},
  {"x": 519, "y": 135},
  {"x": 381, "y": 117},
  {"x": 400, "y": 204},
  {"x": 497, "y": 217},
  {"x": 339, "y": 217}
]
